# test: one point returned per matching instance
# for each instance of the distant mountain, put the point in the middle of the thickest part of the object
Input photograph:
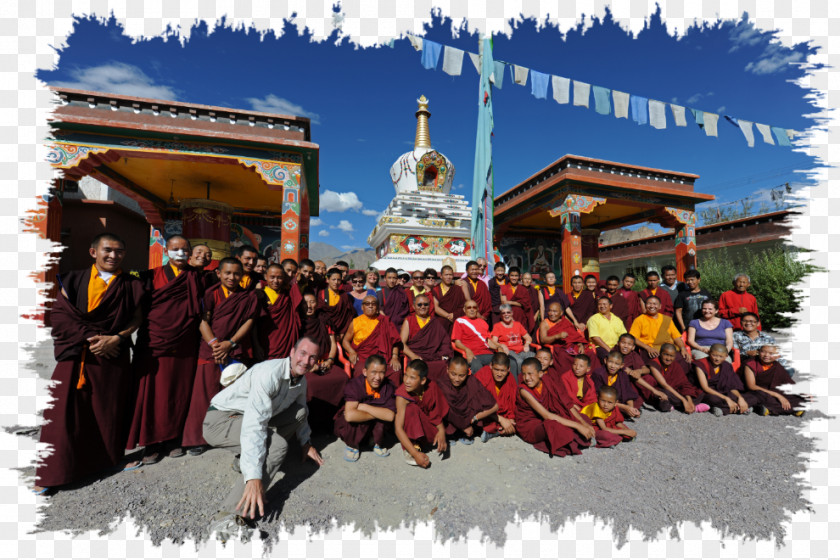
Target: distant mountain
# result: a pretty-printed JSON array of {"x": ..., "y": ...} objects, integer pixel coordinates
[
  {"x": 358, "y": 259},
  {"x": 613, "y": 236}
]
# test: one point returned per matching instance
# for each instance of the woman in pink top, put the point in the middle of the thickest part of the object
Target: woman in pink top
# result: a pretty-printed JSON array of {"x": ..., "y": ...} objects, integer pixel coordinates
[{"x": 512, "y": 339}]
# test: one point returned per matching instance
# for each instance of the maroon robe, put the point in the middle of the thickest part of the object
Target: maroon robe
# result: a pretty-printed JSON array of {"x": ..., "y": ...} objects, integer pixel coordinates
[
  {"x": 228, "y": 314},
  {"x": 423, "y": 416},
  {"x": 381, "y": 341},
  {"x": 667, "y": 307},
  {"x": 724, "y": 382},
  {"x": 676, "y": 377},
  {"x": 341, "y": 314},
  {"x": 394, "y": 303},
  {"x": 86, "y": 426},
  {"x": 409, "y": 293},
  {"x": 452, "y": 302},
  {"x": 621, "y": 309},
  {"x": 564, "y": 350},
  {"x": 626, "y": 390},
  {"x": 464, "y": 402},
  {"x": 481, "y": 295},
  {"x": 771, "y": 380},
  {"x": 327, "y": 386},
  {"x": 505, "y": 396},
  {"x": 431, "y": 343},
  {"x": 494, "y": 288},
  {"x": 165, "y": 360},
  {"x": 525, "y": 314},
  {"x": 278, "y": 324},
  {"x": 354, "y": 433},
  {"x": 535, "y": 306},
  {"x": 558, "y": 297},
  {"x": 584, "y": 306},
  {"x": 570, "y": 384},
  {"x": 634, "y": 304},
  {"x": 548, "y": 436},
  {"x": 633, "y": 360}
]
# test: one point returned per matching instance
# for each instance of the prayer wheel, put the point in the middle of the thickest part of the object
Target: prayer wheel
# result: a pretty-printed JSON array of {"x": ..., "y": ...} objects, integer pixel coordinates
[{"x": 207, "y": 222}]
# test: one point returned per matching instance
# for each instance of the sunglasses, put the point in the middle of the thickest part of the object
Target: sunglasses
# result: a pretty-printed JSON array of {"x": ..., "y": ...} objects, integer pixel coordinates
[
  {"x": 417, "y": 277},
  {"x": 357, "y": 281},
  {"x": 431, "y": 277},
  {"x": 421, "y": 305}
]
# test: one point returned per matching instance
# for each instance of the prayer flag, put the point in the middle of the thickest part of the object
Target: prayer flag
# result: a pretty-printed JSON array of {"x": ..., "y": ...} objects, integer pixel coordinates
[
  {"x": 520, "y": 76},
  {"x": 430, "y": 55},
  {"x": 679, "y": 114},
  {"x": 476, "y": 60},
  {"x": 781, "y": 136},
  {"x": 581, "y": 90},
  {"x": 602, "y": 100},
  {"x": 746, "y": 128},
  {"x": 638, "y": 109},
  {"x": 710, "y": 123},
  {"x": 621, "y": 101},
  {"x": 560, "y": 89},
  {"x": 498, "y": 77},
  {"x": 698, "y": 117},
  {"x": 539, "y": 84},
  {"x": 765, "y": 133},
  {"x": 453, "y": 60},
  {"x": 482, "y": 203},
  {"x": 657, "y": 113},
  {"x": 416, "y": 42}
]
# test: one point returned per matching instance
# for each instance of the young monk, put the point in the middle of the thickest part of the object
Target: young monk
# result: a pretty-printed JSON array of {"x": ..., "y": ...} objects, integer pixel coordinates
[
  {"x": 392, "y": 299},
  {"x": 546, "y": 418},
  {"x": 421, "y": 409},
  {"x": 337, "y": 303},
  {"x": 94, "y": 314},
  {"x": 425, "y": 338},
  {"x": 669, "y": 385},
  {"x": 763, "y": 377},
  {"x": 326, "y": 380},
  {"x": 737, "y": 301},
  {"x": 278, "y": 324},
  {"x": 634, "y": 365},
  {"x": 527, "y": 282},
  {"x": 547, "y": 365},
  {"x": 165, "y": 354},
  {"x": 620, "y": 307},
  {"x": 448, "y": 297},
  {"x": 612, "y": 374},
  {"x": 470, "y": 404},
  {"x": 226, "y": 322},
  {"x": 578, "y": 384},
  {"x": 519, "y": 298},
  {"x": 247, "y": 255},
  {"x": 369, "y": 410},
  {"x": 566, "y": 341},
  {"x": 261, "y": 265},
  {"x": 494, "y": 286},
  {"x": 666, "y": 305},
  {"x": 372, "y": 333},
  {"x": 501, "y": 384},
  {"x": 477, "y": 291},
  {"x": 581, "y": 301},
  {"x": 607, "y": 419},
  {"x": 549, "y": 293},
  {"x": 634, "y": 304},
  {"x": 721, "y": 387}
]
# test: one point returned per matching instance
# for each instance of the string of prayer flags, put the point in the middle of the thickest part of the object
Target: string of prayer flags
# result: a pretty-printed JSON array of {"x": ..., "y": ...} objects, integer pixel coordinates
[
  {"x": 498, "y": 77},
  {"x": 520, "y": 74},
  {"x": 430, "y": 54},
  {"x": 539, "y": 84},
  {"x": 581, "y": 90},
  {"x": 710, "y": 123},
  {"x": 560, "y": 89},
  {"x": 765, "y": 133},
  {"x": 679, "y": 114},
  {"x": 621, "y": 101},
  {"x": 453, "y": 60},
  {"x": 602, "y": 100},
  {"x": 638, "y": 109},
  {"x": 781, "y": 136},
  {"x": 698, "y": 117}
]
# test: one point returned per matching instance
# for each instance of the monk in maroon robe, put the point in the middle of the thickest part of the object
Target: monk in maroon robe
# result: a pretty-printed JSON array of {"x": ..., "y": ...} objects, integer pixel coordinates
[
  {"x": 519, "y": 299},
  {"x": 372, "y": 333},
  {"x": 620, "y": 308},
  {"x": 654, "y": 289},
  {"x": 631, "y": 297},
  {"x": 278, "y": 324},
  {"x": 421, "y": 409},
  {"x": 424, "y": 337},
  {"x": 578, "y": 384},
  {"x": 228, "y": 316},
  {"x": 336, "y": 302},
  {"x": 469, "y": 402},
  {"x": 582, "y": 300},
  {"x": 392, "y": 299},
  {"x": 634, "y": 365},
  {"x": 93, "y": 317},
  {"x": 326, "y": 380},
  {"x": 477, "y": 291},
  {"x": 448, "y": 298},
  {"x": 526, "y": 282},
  {"x": 166, "y": 353},
  {"x": 613, "y": 375},
  {"x": 545, "y": 416},
  {"x": 720, "y": 385},
  {"x": 565, "y": 340},
  {"x": 494, "y": 286},
  {"x": 501, "y": 385},
  {"x": 369, "y": 410},
  {"x": 668, "y": 383},
  {"x": 763, "y": 376},
  {"x": 248, "y": 256}
]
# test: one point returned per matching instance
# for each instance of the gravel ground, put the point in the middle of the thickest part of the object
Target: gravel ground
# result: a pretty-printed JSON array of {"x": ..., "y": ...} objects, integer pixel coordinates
[{"x": 739, "y": 473}]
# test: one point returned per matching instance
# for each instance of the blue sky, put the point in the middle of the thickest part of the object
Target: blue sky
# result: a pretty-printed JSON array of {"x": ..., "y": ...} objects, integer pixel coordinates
[{"x": 362, "y": 101}]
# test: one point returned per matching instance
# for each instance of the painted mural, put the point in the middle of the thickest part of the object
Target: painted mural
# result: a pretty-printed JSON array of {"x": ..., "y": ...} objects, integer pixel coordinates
[
  {"x": 537, "y": 255},
  {"x": 425, "y": 245}
]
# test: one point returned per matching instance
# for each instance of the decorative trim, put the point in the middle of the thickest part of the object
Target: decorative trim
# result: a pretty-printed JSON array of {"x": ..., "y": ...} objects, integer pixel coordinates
[
  {"x": 63, "y": 155},
  {"x": 275, "y": 173},
  {"x": 682, "y": 216},
  {"x": 431, "y": 159},
  {"x": 582, "y": 204}
]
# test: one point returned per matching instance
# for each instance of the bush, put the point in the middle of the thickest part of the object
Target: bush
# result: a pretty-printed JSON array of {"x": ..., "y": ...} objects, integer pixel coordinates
[{"x": 772, "y": 273}]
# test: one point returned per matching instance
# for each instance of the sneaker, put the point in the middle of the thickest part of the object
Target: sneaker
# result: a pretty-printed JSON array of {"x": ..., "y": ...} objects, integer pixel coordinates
[
  {"x": 235, "y": 465},
  {"x": 717, "y": 411},
  {"x": 465, "y": 441},
  {"x": 702, "y": 407},
  {"x": 761, "y": 410},
  {"x": 351, "y": 455},
  {"x": 409, "y": 459},
  {"x": 197, "y": 450},
  {"x": 380, "y": 451},
  {"x": 487, "y": 436}
]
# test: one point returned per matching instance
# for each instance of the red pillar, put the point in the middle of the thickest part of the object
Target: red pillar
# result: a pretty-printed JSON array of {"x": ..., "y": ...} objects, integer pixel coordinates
[
  {"x": 304, "y": 225},
  {"x": 571, "y": 248},
  {"x": 291, "y": 233},
  {"x": 685, "y": 240}
]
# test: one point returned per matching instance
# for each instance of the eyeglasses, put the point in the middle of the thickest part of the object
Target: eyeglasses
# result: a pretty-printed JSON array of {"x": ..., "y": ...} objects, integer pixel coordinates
[
  {"x": 421, "y": 305},
  {"x": 430, "y": 277},
  {"x": 357, "y": 281}
]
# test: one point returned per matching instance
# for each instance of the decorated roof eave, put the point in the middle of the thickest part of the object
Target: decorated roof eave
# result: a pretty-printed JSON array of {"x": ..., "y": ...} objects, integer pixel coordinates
[{"x": 308, "y": 150}]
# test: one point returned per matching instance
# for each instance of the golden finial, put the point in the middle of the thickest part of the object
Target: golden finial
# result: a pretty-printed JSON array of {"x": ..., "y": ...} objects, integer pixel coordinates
[{"x": 421, "y": 137}]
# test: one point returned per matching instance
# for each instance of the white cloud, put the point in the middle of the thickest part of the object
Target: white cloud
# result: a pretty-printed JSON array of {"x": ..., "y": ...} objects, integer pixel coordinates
[
  {"x": 119, "y": 78},
  {"x": 332, "y": 201},
  {"x": 316, "y": 222},
  {"x": 273, "y": 104},
  {"x": 458, "y": 187},
  {"x": 367, "y": 212},
  {"x": 775, "y": 58},
  {"x": 721, "y": 109},
  {"x": 744, "y": 35},
  {"x": 323, "y": 233},
  {"x": 697, "y": 97},
  {"x": 344, "y": 225}
]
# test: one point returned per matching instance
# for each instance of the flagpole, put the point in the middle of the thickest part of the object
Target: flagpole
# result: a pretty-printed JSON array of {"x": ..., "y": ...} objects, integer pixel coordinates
[{"x": 482, "y": 203}]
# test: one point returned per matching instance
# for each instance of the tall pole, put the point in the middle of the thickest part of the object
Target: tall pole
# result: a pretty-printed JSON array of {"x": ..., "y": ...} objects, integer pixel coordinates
[{"x": 482, "y": 203}]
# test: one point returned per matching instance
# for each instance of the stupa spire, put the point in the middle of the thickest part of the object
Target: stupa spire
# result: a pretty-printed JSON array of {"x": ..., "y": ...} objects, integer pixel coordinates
[{"x": 421, "y": 137}]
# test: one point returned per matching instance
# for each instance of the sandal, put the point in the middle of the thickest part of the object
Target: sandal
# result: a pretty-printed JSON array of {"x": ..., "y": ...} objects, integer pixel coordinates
[
  {"x": 133, "y": 466},
  {"x": 380, "y": 451},
  {"x": 176, "y": 452},
  {"x": 43, "y": 490},
  {"x": 152, "y": 458},
  {"x": 351, "y": 455}
]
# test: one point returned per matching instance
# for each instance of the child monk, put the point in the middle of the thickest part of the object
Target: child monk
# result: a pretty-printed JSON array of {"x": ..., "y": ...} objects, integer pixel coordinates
[
  {"x": 546, "y": 418},
  {"x": 469, "y": 402},
  {"x": 612, "y": 374},
  {"x": 369, "y": 410},
  {"x": 634, "y": 364},
  {"x": 339, "y": 308},
  {"x": 229, "y": 312},
  {"x": 578, "y": 384},
  {"x": 610, "y": 429},
  {"x": 721, "y": 387},
  {"x": 670, "y": 387},
  {"x": 763, "y": 377},
  {"x": 546, "y": 363},
  {"x": 421, "y": 409},
  {"x": 501, "y": 384}
]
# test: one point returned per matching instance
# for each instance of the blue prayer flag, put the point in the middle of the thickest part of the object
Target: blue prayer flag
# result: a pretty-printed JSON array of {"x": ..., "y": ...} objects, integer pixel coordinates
[
  {"x": 781, "y": 136},
  {"x": 638, "y": 109},
  {"x": 539, "y": 84},
  {"x": 602, "y": 100},
  {"x": 482, "y": 202},
  {"x": 430, "y": 55}
]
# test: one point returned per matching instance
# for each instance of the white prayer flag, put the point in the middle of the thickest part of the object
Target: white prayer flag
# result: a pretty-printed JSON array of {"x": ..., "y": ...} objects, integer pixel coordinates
[
  {"x": 656, "y": 109},
  {"x": 621, "y": 101},
  {"x": 416, "y": 42},
  {"x": 679, "y": 114},
  {"x": 581, "y": 94},
  {"x": 710, "y": 123},
  {"x": 764, "y": 129},
  {"x": 476, "y": 62},
  {"x": 453, "y": 59},
  {"x": 520, "y": 75},
  {"x": 746, "y": 128},
  {"x": 560, "y": 89}
]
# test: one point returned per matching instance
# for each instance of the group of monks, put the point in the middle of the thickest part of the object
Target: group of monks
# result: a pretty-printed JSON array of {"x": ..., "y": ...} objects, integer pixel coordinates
[{"x": 433, "y": 361}]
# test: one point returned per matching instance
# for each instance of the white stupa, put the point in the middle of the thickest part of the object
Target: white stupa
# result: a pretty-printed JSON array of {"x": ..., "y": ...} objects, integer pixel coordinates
[{"x": 424, "y": 224}]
